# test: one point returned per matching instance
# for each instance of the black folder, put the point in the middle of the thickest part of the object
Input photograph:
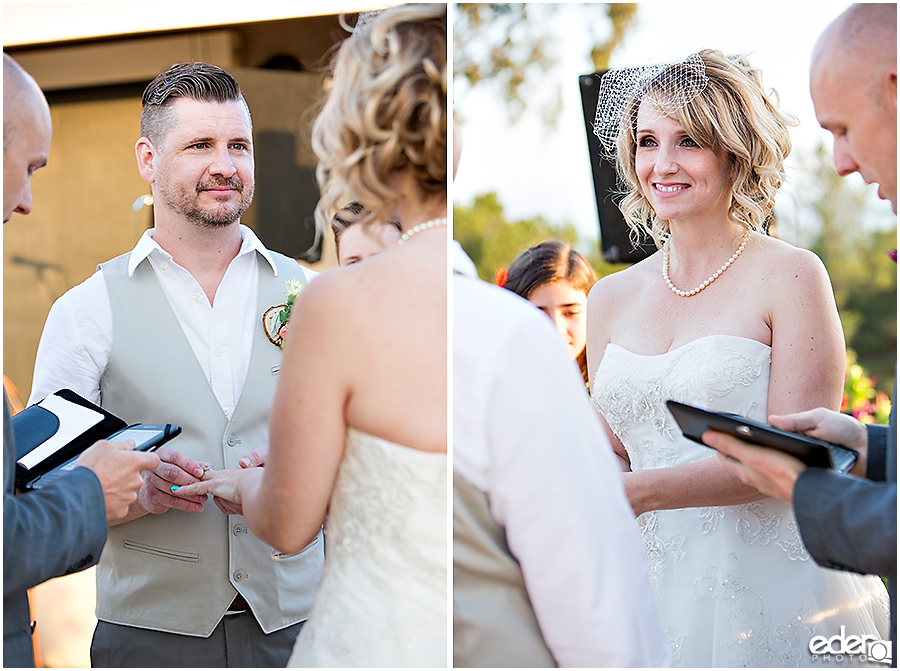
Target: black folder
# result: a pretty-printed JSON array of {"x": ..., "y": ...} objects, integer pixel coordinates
[
  {"x": 695, "y": 421},
  {"x": 34, "y": 426}
]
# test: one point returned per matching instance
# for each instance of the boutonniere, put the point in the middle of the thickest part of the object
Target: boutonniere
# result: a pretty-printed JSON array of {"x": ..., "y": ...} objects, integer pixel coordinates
[{"x": 275, "y": 319}]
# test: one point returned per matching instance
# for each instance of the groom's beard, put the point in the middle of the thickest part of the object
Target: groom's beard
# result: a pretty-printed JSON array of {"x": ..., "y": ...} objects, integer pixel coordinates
[{"x": 223, "y": 212}]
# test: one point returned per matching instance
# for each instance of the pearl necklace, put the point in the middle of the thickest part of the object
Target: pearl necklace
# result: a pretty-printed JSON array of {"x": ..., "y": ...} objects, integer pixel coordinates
[
  {"x": 713, "y": 277},
  {"x": 421, "y": 227}
]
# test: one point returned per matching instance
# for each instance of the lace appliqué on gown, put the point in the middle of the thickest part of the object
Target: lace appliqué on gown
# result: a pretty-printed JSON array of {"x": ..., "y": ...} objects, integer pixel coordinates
[
  {"x": 382, "y": 601},
  {"x": 754, "y": 526},
  {"x": 710, "y": 518},
  {"x": 659, "y": 551},
  {"x": 734, "y": 584},
  {"x": 792, "y": 544}
]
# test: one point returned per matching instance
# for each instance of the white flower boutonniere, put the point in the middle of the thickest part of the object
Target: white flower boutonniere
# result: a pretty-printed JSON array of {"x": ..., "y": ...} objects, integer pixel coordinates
[{"x": 275, "y": 319}]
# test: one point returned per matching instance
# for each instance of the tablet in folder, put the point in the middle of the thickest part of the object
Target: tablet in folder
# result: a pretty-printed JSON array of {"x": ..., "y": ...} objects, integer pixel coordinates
[
  {"x": 51, "y": 434},
  {"x": 695, "y": 421}
]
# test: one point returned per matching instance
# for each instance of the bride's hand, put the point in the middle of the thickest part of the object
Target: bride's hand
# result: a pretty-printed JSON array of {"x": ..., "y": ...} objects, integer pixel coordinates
[
  {"x": 227, "y": 487},
  {"x": 228, "y": 507}
]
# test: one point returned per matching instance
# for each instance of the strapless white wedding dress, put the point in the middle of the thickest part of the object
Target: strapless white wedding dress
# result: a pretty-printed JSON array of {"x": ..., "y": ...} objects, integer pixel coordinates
[
  {"x": 382, "y": 601},
  {"x": 734, "y": 585}
]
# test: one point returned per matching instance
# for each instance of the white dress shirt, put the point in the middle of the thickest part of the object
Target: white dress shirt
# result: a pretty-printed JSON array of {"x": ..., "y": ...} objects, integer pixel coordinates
[
  {"x": 525, "y": 434},
  {"x": 75, "y": 344}
]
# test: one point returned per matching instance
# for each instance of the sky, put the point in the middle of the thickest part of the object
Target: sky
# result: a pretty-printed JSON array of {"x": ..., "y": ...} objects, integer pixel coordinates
[{"x": 541, "y": 171}]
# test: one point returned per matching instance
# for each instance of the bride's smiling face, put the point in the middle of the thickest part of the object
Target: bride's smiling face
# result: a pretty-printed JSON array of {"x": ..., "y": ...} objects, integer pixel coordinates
[{"x": 677, "y": 176}]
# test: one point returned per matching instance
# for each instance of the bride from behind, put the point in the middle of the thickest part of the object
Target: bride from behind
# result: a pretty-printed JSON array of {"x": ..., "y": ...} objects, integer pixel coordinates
[
  {"x": 725, "y": 317},
  {"x": 359, "y": 421}
]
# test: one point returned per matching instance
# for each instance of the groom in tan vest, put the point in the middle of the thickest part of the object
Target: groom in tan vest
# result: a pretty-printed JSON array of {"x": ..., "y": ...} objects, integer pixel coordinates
[{"x": 173, "y": 332}]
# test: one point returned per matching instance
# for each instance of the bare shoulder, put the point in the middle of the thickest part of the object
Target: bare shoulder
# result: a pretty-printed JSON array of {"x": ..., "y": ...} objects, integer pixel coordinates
[
  {"x": 610, "y": 289},
  {"x": 405, "y": 286},
  {"x": 325, "y": 287},
  {"x": 792, "y": 280},
  {"x": 788, "y": 264}
]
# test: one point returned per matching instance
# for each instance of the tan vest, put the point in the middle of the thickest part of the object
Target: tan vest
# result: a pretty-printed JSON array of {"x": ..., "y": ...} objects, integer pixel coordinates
[
  {"x": 178, "y": 572},
  {"x": 493, "y": 621}
]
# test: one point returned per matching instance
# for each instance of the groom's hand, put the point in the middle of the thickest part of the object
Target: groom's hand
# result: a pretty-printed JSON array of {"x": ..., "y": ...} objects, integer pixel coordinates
[
  {"x": 256, "y": 457},
  {"x": 175, "y": 468}
]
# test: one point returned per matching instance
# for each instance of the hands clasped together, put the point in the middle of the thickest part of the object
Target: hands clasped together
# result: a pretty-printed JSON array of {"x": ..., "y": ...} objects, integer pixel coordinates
[{"x": 180, "y": 482}]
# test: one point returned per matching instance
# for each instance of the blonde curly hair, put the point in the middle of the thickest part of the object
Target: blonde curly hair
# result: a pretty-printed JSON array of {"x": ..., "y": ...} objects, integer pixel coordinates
[
  {"x": 733, "y": 116},
  {"x": 386, "y": 112}
]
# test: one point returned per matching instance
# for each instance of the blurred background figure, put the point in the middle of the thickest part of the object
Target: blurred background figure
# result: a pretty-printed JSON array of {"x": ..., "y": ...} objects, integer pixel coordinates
[
  {"x": 353, "y": 242},
  {"x": 557, "y": 279}
]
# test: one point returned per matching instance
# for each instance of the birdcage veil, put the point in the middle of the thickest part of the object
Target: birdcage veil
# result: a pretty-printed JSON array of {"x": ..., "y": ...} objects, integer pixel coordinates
[
  {"x": 363, "y": 23},
  {"x": 669, "y": 87},
  {"x": 366, "y": 18}
]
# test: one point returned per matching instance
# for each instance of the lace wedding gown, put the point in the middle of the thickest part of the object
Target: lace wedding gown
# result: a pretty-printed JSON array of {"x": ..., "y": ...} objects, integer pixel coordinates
[
  {"x": 734, "y": 585},
  {"x": 382, "y": 601}
]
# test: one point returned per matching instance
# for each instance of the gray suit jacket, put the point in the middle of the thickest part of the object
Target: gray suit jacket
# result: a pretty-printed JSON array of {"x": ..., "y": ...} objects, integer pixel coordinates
[
  {"x": 58, "y": 530},
  {"x": 851, "y": 523}
]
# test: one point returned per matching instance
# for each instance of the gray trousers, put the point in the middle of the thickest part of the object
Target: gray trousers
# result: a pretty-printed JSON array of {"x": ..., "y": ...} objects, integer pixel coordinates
[{"x": 238, "y": 641}]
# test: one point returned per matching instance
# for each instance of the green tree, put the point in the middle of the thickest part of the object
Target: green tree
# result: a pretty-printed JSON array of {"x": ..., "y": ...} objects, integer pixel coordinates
[
  {"x": 492, "y": 242},
  {"x": 510, "y": 44},
  {"x": 621, "y": 16}
]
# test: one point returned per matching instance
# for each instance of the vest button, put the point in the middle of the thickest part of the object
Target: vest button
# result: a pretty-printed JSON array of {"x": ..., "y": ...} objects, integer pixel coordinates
[
  {"x": 238, "y": 529},
  {"x": 232, "y": 441},
  {"x": 238, "y": 576}
]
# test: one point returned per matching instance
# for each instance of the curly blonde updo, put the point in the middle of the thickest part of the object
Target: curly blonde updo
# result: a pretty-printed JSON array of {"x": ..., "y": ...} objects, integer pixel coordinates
[
  {"x": 386, "y": 112},
  {"x": 733, "y": 116}
]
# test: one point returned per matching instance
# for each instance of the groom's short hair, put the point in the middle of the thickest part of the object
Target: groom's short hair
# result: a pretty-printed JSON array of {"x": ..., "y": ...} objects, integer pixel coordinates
[{"x": 202, "y": 82}]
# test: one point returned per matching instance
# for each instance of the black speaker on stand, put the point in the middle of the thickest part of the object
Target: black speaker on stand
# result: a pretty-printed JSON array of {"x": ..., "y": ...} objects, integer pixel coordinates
[
  {"x": 286, "y": 196},
  {"x": 614, "y": 233}
]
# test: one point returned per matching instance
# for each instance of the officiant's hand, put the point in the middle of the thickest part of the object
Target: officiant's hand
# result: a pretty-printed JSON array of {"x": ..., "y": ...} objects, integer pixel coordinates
[
  {"x": 775, "y": 473},
  {"x": 772, "y": 472},
  {"x": 118, "y": 468},
  {"x": 832, "y": 427}
]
